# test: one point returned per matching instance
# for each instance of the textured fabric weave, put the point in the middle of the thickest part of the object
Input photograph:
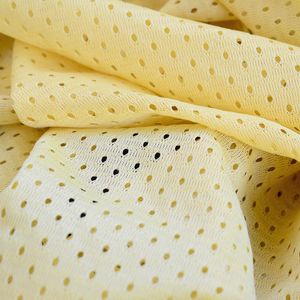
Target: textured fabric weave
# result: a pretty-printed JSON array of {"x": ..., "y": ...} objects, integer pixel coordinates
[{"x": 158, "y": 151}]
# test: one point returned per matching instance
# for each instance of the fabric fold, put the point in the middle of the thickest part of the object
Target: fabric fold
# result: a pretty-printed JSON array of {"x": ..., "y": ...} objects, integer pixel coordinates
[
  {"x": 16, "y": 144},
  {"x": 202, "y": 60},
  {"x": 46, "y": 93},
  {"x": 198, "y": 10},
  {"x": 7, "y": 113},
  {"x": 276, "y": 19},
  {"x": 84, "y": 219}
]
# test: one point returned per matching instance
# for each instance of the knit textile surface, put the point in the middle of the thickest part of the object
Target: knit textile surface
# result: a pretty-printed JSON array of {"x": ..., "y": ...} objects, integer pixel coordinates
[{"x": 149, "y": 149}]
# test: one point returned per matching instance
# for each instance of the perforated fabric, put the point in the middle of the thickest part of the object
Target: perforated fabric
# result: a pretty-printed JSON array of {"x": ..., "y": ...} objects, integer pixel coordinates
[
  {"x": 276, "y": 19},
  {"x": 148, "y": 3},
  {"x": 159, "y": 156},
  {"x": 198, "y": 10},
  {"x": 16, "y": 144},
  {"x": 7, "y": 113}
]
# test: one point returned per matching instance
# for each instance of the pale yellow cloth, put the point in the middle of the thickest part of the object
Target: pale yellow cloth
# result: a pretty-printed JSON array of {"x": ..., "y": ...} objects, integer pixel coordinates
[{"x": 170, "y": 166}]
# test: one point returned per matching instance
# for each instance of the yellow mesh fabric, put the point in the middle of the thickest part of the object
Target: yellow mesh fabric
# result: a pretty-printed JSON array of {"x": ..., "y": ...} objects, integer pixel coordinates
[
  {"x": 198, "y": 10},
  {"x": 148, "y": 3},
  {"x": 7, "y": 113},
  {"x": 158, "y": 156},
  {"x": 16, "y": 144},
  {"x": 276, "y": 19}
]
